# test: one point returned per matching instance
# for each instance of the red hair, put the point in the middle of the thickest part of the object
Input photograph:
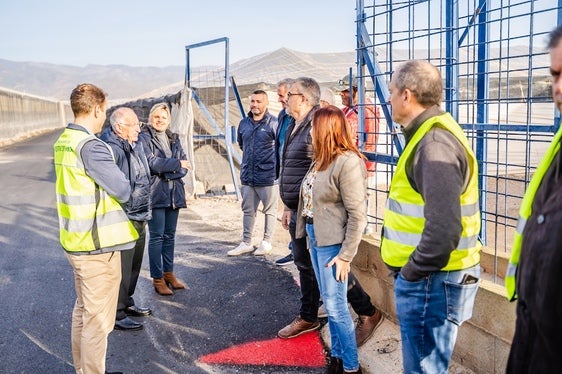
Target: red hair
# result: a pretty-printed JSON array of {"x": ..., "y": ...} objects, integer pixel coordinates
[{"x": 331, "y": 136}]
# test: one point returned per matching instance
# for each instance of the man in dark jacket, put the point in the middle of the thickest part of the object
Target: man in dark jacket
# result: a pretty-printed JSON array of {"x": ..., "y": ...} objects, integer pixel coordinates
[
  {"x": 129, "y": 155},
  {"x": 256, "y": 137},
  {"x": 284, "y": 120},
  {"x": 534, "y": 275},
  {"x": 303, "y": 100}
]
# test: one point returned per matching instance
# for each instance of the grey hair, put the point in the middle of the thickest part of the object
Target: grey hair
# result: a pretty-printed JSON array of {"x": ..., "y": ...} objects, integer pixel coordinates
[
  {"x": 119, "y": 115},
  {"x": 287, "y": 82},
  {"x": 422, "y": 79},
  {"x": 309, "y": 88}
]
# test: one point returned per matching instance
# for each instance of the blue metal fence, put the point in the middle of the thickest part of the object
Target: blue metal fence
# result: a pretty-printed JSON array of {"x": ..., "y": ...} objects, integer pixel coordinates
[{"x": 495, "y": 66}]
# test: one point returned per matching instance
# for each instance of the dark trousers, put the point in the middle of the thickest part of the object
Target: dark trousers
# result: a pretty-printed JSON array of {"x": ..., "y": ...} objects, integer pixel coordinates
[
  {"x": 131, "y": 261},
  {"x": 359, "y": 299},
  {"x": 310, "y": 294}
]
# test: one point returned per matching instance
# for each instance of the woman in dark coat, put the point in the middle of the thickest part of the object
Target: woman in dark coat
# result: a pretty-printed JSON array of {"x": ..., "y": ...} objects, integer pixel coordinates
[{"x": 168, "y": 164}]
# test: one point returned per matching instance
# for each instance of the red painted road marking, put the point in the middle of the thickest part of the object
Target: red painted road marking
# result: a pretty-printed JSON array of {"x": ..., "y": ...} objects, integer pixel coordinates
[{"x": 303, "y": 351}]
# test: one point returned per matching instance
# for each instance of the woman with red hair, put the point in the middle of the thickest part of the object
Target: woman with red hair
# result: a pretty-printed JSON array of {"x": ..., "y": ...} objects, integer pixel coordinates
[{"x": 332, "y": 212}]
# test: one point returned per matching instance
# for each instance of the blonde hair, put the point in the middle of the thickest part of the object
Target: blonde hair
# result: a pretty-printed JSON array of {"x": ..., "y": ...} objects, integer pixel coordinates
[{"x": 159, "y": 106}]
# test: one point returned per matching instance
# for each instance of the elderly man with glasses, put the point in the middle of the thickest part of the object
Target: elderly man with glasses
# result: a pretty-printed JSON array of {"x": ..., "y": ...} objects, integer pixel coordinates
[{"x": 122, "y": 136}]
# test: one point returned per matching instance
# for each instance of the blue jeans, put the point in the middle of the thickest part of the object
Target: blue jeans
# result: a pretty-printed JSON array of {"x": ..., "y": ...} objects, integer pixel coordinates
[
  {"x": 430, "y": 312},
  {"x": 162, "y": 228},
  {"x": 334, "y": 296}
]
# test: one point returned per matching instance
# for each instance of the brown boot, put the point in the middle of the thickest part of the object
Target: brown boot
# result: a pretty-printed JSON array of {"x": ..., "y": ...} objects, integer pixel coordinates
[
  {"x": 171, "y": 280},
  {"x": 161, "y": 287},
  {"x": 366, "y": 326}
]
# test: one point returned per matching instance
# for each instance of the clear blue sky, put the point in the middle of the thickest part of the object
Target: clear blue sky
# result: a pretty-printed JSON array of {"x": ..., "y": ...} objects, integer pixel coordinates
[{"x": 154, "y": 33}]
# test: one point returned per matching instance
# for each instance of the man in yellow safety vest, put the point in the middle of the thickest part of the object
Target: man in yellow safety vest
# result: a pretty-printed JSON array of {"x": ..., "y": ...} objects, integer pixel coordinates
[
  {"x": 534, "y": 273},
  {"x": 431, "y": 222},
  {"x": 90, "y": 188}
]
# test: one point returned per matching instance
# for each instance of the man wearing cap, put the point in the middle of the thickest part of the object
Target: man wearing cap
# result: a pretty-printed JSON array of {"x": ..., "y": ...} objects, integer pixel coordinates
[{"x": 351, "y": 110}]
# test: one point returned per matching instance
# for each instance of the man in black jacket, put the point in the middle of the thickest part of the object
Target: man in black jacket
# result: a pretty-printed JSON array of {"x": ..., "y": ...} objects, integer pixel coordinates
[
  {"x": 122, "y": 137},
  {"x": 284, "y": 120},
  {"x": 534, "y": 277},
  {"x": 302, "y": 101}
]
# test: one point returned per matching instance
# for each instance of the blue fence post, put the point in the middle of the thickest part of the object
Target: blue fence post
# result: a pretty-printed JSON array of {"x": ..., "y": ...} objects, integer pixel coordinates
[
  {"x": 482, "y": 98},
  {"x": 452, "y": 58}
]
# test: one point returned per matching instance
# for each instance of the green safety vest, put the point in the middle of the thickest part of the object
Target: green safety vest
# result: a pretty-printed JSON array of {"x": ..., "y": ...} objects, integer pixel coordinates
[
  {"x": 404, "y": 219},
  {"x": 525, "y": 212},
  {"x": 89, "y": 218}
]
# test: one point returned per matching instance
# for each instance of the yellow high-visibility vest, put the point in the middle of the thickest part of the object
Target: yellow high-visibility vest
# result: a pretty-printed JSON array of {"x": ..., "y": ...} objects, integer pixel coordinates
[
  {"x": 525, "y": 212},
  {"x": 89, "y": 218},
  {"x": 404, "y": 213}
]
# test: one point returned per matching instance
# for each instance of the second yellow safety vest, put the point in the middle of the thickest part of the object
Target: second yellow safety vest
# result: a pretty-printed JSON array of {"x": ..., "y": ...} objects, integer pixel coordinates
[
  {"x": 404, "y": 219},
  {"x": 525, "y": 212}
]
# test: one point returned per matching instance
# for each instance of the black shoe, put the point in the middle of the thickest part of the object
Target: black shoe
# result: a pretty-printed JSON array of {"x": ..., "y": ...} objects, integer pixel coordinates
[
  {"x": 287, "y": 260},
  {"x": 335, "y": 366},
  {"x": 137, "y": 311},
  {"x": 113, "y": 372},
  {"x": 127, "y": 324}
]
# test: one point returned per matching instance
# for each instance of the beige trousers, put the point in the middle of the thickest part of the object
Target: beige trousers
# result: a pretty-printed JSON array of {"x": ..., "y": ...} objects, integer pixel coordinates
[{"x": 96, "y": 279}]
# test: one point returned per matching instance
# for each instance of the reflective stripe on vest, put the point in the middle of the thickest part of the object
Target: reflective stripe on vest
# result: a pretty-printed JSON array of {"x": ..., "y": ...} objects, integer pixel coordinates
[
  {"x": 404, "y": 219},
  {"x": 525, "y": 212},
  {"x": 89, "y": 218}
]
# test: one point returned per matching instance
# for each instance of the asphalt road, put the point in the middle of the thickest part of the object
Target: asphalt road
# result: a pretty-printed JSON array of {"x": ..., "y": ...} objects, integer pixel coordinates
[{"x": 229, "y": 301}]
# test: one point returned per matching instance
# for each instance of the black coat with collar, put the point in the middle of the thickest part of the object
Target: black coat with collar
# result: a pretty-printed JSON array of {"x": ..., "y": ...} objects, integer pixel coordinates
[{"x": 166, "y": 185}]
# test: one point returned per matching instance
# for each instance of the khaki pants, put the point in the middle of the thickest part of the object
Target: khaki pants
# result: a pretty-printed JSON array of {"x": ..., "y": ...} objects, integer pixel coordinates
[{"x": 96, "y": 279}]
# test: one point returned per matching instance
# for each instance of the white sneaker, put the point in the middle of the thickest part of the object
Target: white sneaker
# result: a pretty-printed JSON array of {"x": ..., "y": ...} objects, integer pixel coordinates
[
  {"x": 263, "y": 249},
  {"x": 241, "y": 249}
]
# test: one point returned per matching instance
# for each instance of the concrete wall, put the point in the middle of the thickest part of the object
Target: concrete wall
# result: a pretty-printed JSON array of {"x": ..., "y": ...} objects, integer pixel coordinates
[
  {"x": 484, "y": 341},
  {"x": 23, "y": 115}
]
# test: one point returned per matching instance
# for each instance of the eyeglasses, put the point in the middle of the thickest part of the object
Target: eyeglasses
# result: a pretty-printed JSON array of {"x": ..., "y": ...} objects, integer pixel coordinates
[
  {"x": 130, "y": 124},
  {"x": 289, "y": 94}
]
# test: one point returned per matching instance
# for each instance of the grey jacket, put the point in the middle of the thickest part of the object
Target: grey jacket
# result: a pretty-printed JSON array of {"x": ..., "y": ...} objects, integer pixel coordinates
[{"x": 339, "y": 200}]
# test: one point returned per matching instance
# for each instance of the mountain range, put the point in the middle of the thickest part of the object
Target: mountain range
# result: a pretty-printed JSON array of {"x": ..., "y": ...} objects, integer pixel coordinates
[{"x": 123, "y": 82}]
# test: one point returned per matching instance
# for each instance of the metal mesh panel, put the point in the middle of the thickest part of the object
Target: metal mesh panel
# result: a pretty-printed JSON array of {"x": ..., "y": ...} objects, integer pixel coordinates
[
  {"x": 495, "y": 67},
  {"x": 215, "y": 156}
]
